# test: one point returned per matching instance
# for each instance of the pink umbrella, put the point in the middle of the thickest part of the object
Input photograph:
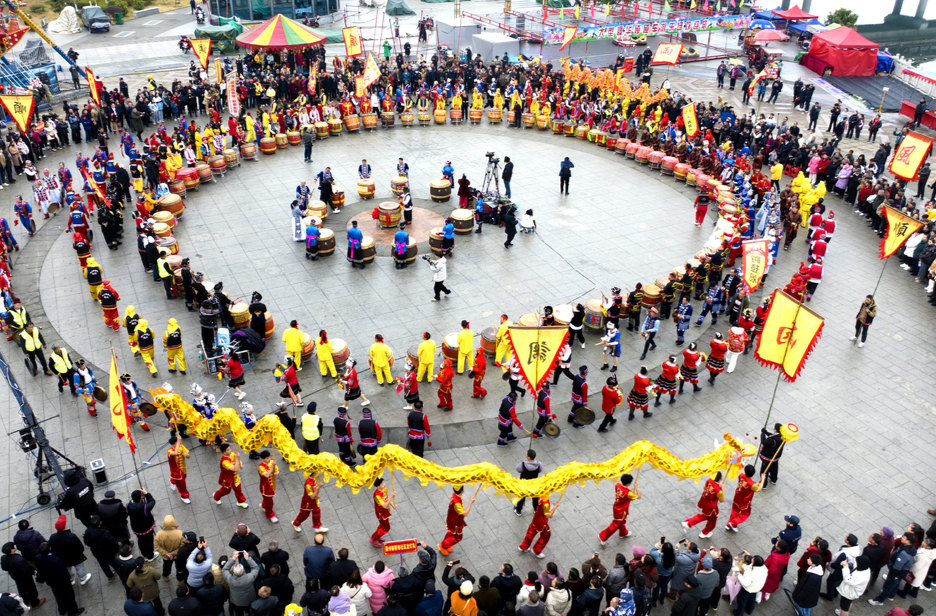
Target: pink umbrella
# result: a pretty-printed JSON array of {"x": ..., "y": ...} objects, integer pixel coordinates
[{"x": 765, "y": 36}]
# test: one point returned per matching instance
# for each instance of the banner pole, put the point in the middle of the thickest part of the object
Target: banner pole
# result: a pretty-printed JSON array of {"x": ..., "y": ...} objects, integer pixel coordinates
[
  {"x": 786, "y": 349},
  {"x": 535, "y": 393},
  {"x": 136, "y": 470},
  {"x": 883, "y": 267}
]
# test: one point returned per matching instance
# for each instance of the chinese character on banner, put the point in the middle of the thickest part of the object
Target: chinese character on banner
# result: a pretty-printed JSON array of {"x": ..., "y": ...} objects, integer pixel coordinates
[
  {"x": 202, "y": 50},
  {"x": 359, "y": 87},
  {"x": 568, "y": 36},
  {"x": 234, "y": 103},
  {"x": 667, "y": 53},
  {"x": 352, "y": 41},
  {"x": 93, "y": 86},
  {"x": 791, "y": 331},
  {"x": 690, "y": 121},
  {"x": 755, "y": 259},
  {"x": 899, "y": 230},
  {"x": 20, "y": 109},
  {"x": 910, "y": 156},
  {"x": 536, "y": 349}
]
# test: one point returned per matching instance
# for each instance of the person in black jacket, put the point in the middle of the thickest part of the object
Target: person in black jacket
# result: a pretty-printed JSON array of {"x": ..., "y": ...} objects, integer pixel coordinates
[
  {"x": 425, "y": 570},
  {"x": 244, "y": 540},
  {"x": 79, "y": 496},
  {"x": 453, "y": 583},
  {"x": 340, "y": 570},
  {"x": 506, "y": 175},
  {"x": 510, "y": 226},
  {"x": 770, "y": 447},
  {"x": 28, "y": 540},
  {"x": 276, "y": 556},
  {"x": 124, "y": 565},
  {"x": 142, "y": 522},
  {"x": 280, "y": 586},
  {"x": 103, "y": 546},
  {"x": 67, "y": 546},
  {"x": 22, "y": 573},
  {"x": 189, "y": 543},
  {"x": 688, "y": 599},
  {"x": 52, "y": 572},
  {"x": 114, "y": 516},
  {"x": 315, "y": 599},
  {"x": 806, "y": 593},
  {"x": 508, "y": 585},
  {"x": 212, "y": 596},
  {"x": 184, "y": 604}
]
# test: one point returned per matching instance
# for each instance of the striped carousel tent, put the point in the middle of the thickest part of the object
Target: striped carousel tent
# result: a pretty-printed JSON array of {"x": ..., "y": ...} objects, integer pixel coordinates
[{"x": 280, "y": 32}]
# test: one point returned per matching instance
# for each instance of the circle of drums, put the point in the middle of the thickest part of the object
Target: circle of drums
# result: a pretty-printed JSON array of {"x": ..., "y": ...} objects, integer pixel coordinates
[{"x": 390, "y": 213}]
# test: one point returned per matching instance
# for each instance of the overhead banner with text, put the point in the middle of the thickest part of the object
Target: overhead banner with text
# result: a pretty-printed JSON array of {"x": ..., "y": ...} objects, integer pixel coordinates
[
  {"x": 910, "y": 156},
  {"x": 791, "y": 331},
  {"x": 352, "y": 41},
  {"x": 20, "y": 109},
  {"x": 536, "y": 350},
  {"x": 202, "y": 50},
  {"x": 899, "y": 230},
  {"x": 556, "y": 36}
]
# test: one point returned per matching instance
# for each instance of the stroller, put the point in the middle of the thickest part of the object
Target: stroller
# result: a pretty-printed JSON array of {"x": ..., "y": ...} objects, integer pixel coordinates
[{"x": 247, "y": 340}]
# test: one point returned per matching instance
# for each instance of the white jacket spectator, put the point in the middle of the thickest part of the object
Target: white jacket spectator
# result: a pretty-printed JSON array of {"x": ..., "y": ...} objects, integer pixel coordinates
[
  {"x": 855, "y": 582},
  {"x": 750, "y": 577},
  {"x": 358, "y": 594}
]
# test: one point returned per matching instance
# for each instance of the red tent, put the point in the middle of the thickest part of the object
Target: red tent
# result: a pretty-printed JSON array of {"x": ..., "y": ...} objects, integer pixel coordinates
[
  {"x": 849, "y": 53},
  {"x": 794, "y": 14}
]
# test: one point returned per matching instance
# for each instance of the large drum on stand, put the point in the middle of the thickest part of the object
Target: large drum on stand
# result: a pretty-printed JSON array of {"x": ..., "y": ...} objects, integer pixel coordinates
[
  {"x": 450, "y": 347},
  {"x": 340, "y": 353},
  {"x": 267, "y": 146},
  {"x": 463, "y": 220},
  {"x": 495, "y": 116},
  {"x": 366, "y": 188},
  {"x": 389, "y": 214},
  {"x": 474, "y": 116},
  {"x": 281, "y": 141},
  {"x": 294, "y": 137},
  {"x": 407, "y": 118},
  {"x": 241, "y": 316},
  {"x": 440, "y": 190},
  {"x": 669, "y": 165},
  {"x": 368, "y": 249},
  {"x": 398, "y": 185},
  {"x": 172, "y": 204},
  {"x": 248, "y": 151},
  {"x": 435, "y": 241},
  {"x": 369, "y": 120},
  {"x": 653, "y": 294},
  {"x": 439, "y": 116},
  {"x": 335, "y": 127},
  {"x": 489, "y": 341},
  {"x": 387, "y": 119},
  {"x": 326, "y": 243},
  {"x": 594, "y": 317},
  {"x": 352, "y": 122},
  {"x": 321, "y": 130}
]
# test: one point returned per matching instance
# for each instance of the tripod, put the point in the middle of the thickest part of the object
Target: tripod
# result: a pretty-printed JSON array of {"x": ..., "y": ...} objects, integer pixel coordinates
[{"x": 491, "y": 175}]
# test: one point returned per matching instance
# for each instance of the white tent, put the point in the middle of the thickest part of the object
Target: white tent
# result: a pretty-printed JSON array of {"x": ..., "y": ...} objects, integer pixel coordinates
[
  {"x": 67, "y": 22},
  {"x": 491, "y": 44}
]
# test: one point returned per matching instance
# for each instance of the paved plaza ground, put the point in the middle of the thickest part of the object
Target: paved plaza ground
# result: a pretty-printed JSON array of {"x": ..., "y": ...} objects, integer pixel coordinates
[{"x": 863, "y": 414}]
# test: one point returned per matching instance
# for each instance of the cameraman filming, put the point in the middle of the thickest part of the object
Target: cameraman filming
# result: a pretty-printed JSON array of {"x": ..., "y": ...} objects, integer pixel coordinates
[{"x": 437, "y": 266}]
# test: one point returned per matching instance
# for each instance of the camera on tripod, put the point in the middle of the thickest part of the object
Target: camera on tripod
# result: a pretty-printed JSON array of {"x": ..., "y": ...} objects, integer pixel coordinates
[{"x": 491, "y": 158}]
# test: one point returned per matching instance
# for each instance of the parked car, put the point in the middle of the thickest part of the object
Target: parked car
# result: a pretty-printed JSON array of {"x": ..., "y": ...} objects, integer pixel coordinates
[{"x": 95, "y": 19}]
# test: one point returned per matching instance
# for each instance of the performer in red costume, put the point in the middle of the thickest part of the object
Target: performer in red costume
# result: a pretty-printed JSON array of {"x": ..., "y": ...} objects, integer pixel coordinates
[
  {"x": 229, "y": 480},
  {"x": 622, "y": 501},
  {"x": 638, "y": 398},
  {"x": 540, "y": 525},
  {"x": 444, "y": 377},
  {"x": 177, "y": 467},
  {"x": 382, "y": 504},
  {"x": 741, "y": 505},
  {"x": 689, "y": 371},
  {"x": 455, "y": 520},
  {"x": 310, "y": 504},
  {"x": 666, "y": 382},
  {"x": 712, "y": 494},
  {"x": 268, "y": 473},
  {"x": 716, "y": 361},
  {"x": 480, "y": 366}
]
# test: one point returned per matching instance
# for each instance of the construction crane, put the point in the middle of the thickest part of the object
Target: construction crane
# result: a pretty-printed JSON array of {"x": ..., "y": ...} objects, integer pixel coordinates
[{"x": 13, "y": 8}]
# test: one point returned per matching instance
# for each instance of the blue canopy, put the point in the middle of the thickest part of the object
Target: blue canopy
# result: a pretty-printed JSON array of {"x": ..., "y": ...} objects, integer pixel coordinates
[
  {"x": 799, "y": 28},
  {"x": 768, "y": 15},
  {"x": 885, "y": 63},
  {"x": 762, "y": 24}
]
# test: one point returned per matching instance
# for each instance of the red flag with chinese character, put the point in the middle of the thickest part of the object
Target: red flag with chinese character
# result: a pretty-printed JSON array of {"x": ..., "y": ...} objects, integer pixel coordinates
[
  {"x": 92, "y": 85},
  {"x": 352, "y": 41},
  {"x": 755, "y": 259},
  {"x": 910, "y": 156}
]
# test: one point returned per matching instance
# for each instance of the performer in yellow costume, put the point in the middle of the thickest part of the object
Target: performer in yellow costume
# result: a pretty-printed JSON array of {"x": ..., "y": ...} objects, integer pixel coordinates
[
  {"x": 498, "y": 100},
  {"x": 477, "y": 100}
]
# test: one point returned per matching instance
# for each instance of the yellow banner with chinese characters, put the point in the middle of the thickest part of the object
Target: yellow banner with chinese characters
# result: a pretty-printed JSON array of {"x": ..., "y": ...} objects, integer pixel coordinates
[
  {"x": 395, "y": 458},
  {"x": 910, "y": 156},
  {"x": 667, "y": 53},
  {"x": 202, "y": 50},
  {"x": 371, "y": 71},
  {"x": 20, "y": 109},
  {"x": 755, "y": 260},
  {"x": 899, "y": 230},
  {"x": 690, "y": 121},
  {"x": 536, "y": 349},
  {"x": 118, "y": 405},
  {"x": 219, "y": 71},
  {"x": 791, "y": 331},
  {"x": 352, "y": 41},
  {"x": 359, "y": 88}
]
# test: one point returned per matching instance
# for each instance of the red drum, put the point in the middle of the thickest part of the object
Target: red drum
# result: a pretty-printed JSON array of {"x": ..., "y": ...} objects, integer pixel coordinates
[
  {"x": 529, "y": 120},
  {"x": 581, "y": 132},
  {"x": 495, "y": 116},
  {"x": 680, "y": 171},
  {"x": 669, "y": 165},
  {"x": 455, "y": 115},
  {"x": 655, "y": 159},
  {"x": 218, "y": 164},
  {"x": 294, "y": 137},
  {"x": 542, "y": 121},
  {"x": 370, "y": 121},
  {"x": 177, "y": 187},
  {"x": 569, "y": 128},
  {"x": 611, "y": 141},
  {"x": 702, "y": 181},
  {"x": 557, "y": 127},
  {"x": 630, "y": 151},
  {"x": 352, "y": 122},
  {"x": 511, "y": 117},
  {"x": 621, "y": 146},
  {"x": 601, "y": 138},
  {"x": 474, "y": 116},
  {"x": 643, "y": 154}
]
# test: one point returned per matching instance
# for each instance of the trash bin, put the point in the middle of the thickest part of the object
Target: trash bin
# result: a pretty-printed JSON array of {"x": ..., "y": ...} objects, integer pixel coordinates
[
  {"x": 118, "y": 19},
  {"x": 97, "y": 469}
]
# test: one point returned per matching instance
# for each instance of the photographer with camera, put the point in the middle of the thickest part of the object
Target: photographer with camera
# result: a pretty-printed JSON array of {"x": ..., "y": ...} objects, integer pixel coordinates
[{"x": 437, "y": 266}]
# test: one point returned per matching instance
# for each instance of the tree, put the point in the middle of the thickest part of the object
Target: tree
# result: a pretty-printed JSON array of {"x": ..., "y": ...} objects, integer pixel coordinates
[{"x": 842, "y": 17}]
